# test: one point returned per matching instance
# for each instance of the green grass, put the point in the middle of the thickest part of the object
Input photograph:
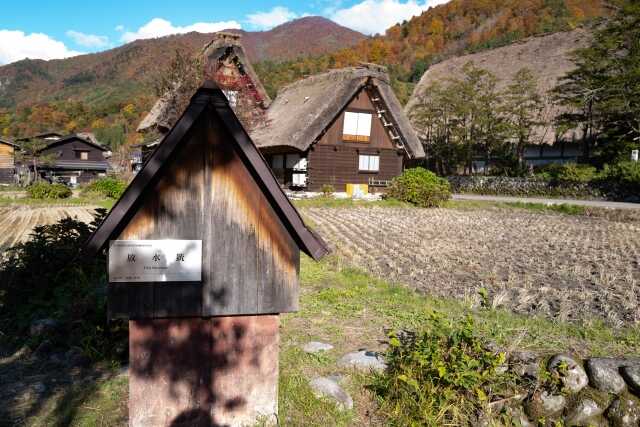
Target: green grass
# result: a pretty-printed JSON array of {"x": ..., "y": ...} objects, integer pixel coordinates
[
  {"x": 71, "y": 201},
  {"x": 330, "y": 202},
  {"x": 351, "y": 310}
]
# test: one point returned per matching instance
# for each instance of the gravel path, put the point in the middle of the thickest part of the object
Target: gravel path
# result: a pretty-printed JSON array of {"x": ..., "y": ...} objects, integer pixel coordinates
[{"x": 561, "y": 266}]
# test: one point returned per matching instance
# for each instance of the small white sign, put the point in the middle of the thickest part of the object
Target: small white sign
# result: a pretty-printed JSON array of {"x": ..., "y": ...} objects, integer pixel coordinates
[
  {"x": 634, "y": 155},
  {"x": 155, "y": 261}
]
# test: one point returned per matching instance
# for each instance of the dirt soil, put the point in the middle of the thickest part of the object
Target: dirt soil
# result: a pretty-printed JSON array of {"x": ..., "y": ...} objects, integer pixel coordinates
[
  {"x": 17, "y": 222},
  {"x": 561, "y": 266}
]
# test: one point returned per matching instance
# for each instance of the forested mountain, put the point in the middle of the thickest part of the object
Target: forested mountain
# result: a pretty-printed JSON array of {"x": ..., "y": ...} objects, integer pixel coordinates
[
  {"x": 109, "y": 92},
  {"x": 455, "y": 28}
]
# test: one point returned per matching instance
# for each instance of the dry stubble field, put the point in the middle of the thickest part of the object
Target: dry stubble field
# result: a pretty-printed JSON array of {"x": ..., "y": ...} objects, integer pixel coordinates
[
  {"x": 17, "y": 222},
  {"x": 561, "y": 266}
]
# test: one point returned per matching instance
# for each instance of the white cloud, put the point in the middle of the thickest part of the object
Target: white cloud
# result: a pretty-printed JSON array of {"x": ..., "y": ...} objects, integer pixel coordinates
[
  {"x": 88, "y": 40},
  {"x": 119, "y": 28},
  {"x": 266, "y": 20},
  {"x": 159, "y": 27},
  {"x": 375, "y": 16},
  {"x": 16, "y": 45}
]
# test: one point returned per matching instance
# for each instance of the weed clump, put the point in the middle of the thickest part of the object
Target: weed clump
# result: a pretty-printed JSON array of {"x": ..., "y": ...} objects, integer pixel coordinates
[{"x": 444, "y": 375}]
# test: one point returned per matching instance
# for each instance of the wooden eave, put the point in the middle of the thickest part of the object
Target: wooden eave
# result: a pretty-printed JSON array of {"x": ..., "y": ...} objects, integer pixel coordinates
[{"x": 209, "y": 98}]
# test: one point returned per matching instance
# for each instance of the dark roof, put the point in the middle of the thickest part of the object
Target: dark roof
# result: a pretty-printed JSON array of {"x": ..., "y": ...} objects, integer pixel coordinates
[
  {"x": 210, "y": 101},
  {"x": 303, "y": 110},
  {"x": 79, "y": 138},
  {"x": 164, "y": 112},
  {"x": 40, "y": 136},
  {"x": 75, "y": 164}
]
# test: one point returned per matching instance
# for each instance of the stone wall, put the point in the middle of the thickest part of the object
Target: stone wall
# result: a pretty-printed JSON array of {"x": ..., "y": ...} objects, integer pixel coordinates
[
  {"x": 565, "y": 390},
  {"x": 523, "y": 187}
]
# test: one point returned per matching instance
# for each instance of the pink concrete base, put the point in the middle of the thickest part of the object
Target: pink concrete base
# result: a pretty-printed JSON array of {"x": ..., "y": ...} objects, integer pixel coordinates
[{"x": 220, "y": 371}]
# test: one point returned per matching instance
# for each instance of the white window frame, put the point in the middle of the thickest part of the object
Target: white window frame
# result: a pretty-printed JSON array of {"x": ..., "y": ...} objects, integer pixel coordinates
[
  {"x": 369, "y": 163},
  {"x": 357, "y": 126}
]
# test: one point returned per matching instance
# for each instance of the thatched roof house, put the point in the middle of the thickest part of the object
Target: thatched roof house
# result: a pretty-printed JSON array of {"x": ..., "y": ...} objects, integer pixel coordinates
[
  {"x": 303, "y": 111},
  {"x": 226, "y": 63},
  {"x": 548, "y": 57},
  {"x": 341, "y": 127}
]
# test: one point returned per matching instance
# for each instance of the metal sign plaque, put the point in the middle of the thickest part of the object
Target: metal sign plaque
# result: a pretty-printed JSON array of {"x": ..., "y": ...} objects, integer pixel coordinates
[{"x": 155, "y": 261}]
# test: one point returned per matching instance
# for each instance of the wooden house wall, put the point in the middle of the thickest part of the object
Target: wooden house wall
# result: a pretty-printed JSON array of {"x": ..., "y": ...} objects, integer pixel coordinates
[
  {"x": 66, "y": 150},
  {"x": 7, "y": 163},
  {"x": 250, "y": 262},
  {"x": 335, "y": 162}
]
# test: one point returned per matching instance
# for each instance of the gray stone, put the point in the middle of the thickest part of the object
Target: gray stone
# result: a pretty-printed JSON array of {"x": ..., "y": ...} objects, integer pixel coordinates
[
  {"x": 573, "y": 378},
  {"x": 624, "y": 412},
  {"x": 518, "y": 417},
  {"x": 327, "y": 387},
  {"x": 631, "y": 374},
  {"x": 523, "y": 357},
  {"x": 363, "y": 361},
  {"x": 545, "y": 405},
  {"x": 604, "y": 374},
  {"x": 316, "y": 347},
  {"x": 530, "y": 370},
  {"x": 584, "y": 413},
  {"x": 42, "y": 326}
]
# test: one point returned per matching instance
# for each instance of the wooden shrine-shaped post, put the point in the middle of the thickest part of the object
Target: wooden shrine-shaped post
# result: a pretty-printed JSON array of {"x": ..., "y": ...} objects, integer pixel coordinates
[{"x": 203, "y": 253}]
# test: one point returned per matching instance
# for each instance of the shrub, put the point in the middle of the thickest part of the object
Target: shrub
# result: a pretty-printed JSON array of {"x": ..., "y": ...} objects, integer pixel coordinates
[
  {"x": 623, "y": 179},
  {"x": 441, "y": 376},
  {"x": 420, "y": 187},
  {"x": 43, "y": 190},
  {"x": 568, "y": 173},
  {"x": 106, "y": 187},
  {"x": 67, "y": 288}
]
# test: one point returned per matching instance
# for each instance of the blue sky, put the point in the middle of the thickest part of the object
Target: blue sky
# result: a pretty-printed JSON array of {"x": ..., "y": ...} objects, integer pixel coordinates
[{"x": 63, "y": 28}]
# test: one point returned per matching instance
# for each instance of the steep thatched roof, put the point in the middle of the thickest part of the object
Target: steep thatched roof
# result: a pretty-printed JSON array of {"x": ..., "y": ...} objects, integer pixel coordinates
[
  {"x": 548, "y": 57},
  {"x": 165, "y": 111},
  {"x": 303, "y": 110}
]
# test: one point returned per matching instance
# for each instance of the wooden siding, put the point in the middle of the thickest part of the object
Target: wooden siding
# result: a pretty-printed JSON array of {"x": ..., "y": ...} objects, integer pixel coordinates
[
  {"x": 250, "y": 261},
  {"x": 66, "y": 150},
  {"x": 334, "y": 161},
  {"x": 379, "y": 136},
  {"x": 6, "y": 156},
  {"x": 338, "y": 166}
]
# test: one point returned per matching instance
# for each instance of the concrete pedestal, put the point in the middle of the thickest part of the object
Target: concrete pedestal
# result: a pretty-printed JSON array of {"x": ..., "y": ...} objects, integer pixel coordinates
[{"x": 220, "y": 371}]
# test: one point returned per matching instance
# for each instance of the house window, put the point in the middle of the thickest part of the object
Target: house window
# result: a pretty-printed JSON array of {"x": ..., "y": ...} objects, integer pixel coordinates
[
  {"x": 82, "y": 155},
  {"x": 232, "y": 97},
  {"x": 277, "y": 162},
  {"x": 357, "y": 127},
  {"x": 368, "y": 163},
  {"x": 295, "y": 162}
]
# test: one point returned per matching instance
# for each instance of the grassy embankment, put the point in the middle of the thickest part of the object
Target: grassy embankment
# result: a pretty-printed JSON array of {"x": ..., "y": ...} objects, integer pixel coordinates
[{"x": 352, "y": 310}]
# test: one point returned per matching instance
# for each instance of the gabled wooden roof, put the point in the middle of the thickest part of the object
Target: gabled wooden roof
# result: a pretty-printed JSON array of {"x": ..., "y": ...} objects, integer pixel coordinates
[
  {"x": 210, "y": 100},
  {"x": 303, "y": 110}
]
